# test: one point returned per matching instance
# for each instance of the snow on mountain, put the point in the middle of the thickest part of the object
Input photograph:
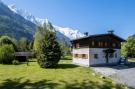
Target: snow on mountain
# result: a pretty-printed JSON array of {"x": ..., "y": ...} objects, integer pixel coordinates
[
  {"x": 41, "y": 21},
  {"x": 68, "y": 32},
  {"x": 23, "y": 13}
]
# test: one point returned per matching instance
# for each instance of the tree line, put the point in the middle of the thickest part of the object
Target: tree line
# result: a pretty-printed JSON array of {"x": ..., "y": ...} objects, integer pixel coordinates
[{"x": 48, "y": 50}]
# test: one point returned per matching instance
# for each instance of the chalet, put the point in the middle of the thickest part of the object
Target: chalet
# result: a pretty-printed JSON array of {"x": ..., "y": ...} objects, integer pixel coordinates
[{"x": 97, "y": 49}]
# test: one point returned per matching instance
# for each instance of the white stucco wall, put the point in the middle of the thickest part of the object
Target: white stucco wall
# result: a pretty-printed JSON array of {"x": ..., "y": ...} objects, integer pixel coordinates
[
  {"x": 91, "y": 60},
  {"x": 80, "y": 61},
  {"x": 101, "y": 56}
]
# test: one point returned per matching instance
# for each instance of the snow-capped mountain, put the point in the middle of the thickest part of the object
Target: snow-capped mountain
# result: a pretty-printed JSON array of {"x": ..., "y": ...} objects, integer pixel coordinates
[
  {"x": 23, "y": 13},
  {"x": 68, "y": 32},
  {"x": 72, "y": 34}
]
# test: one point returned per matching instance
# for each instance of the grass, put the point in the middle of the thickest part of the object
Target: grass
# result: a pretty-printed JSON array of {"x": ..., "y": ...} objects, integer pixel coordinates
[
  {"x": 65, "y": 76},
  {"x": 131, "y": 60}
]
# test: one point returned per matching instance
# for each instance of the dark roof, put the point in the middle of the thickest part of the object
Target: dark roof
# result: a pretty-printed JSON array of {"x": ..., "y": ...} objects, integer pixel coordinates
[
  {"x": 99, "y": 35},
  {"x": 23, "y": 53}
]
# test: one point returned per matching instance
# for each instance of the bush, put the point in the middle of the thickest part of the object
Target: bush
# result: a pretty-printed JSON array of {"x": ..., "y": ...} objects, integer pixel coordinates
[
  {"x": 15, "y": 62},
  {"x": 7, "y": 40},
  {"x": 128, "y": 48},
  {"x": 6, "y": 54}
]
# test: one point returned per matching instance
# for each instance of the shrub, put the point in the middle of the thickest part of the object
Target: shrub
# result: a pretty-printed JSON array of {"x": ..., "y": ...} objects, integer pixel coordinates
[
  {"x": 6, "y": 54},
  {"x": 15, "y": 62},
  {"x": 7, "y": 40},
  {"x": 128, "y": 48}
]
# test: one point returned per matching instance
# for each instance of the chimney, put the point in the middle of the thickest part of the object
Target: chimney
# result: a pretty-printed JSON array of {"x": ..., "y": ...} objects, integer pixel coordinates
[
  {"x": 86, "y": 33},
  {"x": 110, "y": 32}
]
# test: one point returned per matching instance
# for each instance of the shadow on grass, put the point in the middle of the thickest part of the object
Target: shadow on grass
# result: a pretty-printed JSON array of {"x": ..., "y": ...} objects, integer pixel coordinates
[
  {"x": 48, "y": 84},
  {"x": 66, "y": 66},
  {"x": 17, "y": 84},
  {"x": 66, "y": 58},
  {"x": 87, "y": 84}
]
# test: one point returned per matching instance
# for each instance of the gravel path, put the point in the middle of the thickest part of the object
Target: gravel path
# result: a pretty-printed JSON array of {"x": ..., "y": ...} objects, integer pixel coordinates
[
  {"x": 123, "y": 76},
  {"x": 126, "y": 76},
  {"x": 105, "y": 71}
]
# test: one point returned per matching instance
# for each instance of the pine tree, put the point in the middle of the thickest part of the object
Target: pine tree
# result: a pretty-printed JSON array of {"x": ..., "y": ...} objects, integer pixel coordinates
[{"x": 46, "y": 47}]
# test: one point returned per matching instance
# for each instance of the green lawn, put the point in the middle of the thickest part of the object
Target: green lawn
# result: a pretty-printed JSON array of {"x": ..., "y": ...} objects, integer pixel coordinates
[
  {"x": 131, "y": 59},
  {"x": 65, "y": 76}
]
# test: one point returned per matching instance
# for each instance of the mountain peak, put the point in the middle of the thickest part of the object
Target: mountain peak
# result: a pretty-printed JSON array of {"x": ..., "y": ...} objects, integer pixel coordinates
[
  {"x": 13, "y": 8},
  {"x": 23, "y": 13},
  {"x": 46, "y": 20},
  {"x": 68, "y": 32}
]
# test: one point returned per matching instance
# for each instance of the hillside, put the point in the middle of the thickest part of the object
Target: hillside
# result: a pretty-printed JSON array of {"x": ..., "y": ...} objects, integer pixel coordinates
[{"x": 14, "y": 25}]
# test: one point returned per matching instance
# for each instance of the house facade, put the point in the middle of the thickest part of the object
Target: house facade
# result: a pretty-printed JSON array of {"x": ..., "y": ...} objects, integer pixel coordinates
[{"x": 97, "y": 49}]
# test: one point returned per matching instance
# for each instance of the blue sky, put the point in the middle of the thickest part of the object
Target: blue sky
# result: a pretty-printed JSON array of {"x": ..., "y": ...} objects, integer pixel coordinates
[{"x": 93, "y": 16}]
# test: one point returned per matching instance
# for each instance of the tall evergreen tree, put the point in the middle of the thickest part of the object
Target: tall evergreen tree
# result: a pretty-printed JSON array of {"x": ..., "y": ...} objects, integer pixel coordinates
[{"x": 46, "y": 47}]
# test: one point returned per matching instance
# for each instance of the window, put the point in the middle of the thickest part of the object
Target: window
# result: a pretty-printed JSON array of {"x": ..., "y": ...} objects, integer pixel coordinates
[
  {"x": 105, "y": 44},
  {"x": 115, "y": 55},
  {"x": 96, "y": 56},
  {"x": 114, "y": 45},
  {"x": 77, "y": 45},
  {"x": 93, "y": 43},
  {"x": 99, "y": 44},
  {"x": 79, "y": 56},
  {"x": 76, "y": 56},
  {"x": 111, "y": 55},
  {"x": 85, "y": 56}
]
